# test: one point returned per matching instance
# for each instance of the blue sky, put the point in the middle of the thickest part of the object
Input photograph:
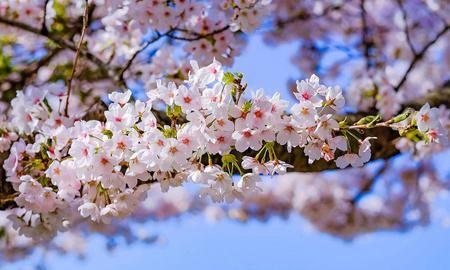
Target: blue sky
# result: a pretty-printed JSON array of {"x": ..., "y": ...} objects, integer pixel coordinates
[{"x": 193, "y": 243}]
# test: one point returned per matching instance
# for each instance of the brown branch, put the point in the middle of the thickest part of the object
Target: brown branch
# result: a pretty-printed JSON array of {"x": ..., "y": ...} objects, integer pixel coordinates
[
  {"x": 133, "y": 57},
  {"x": 434, "y": 98},
  {"x": 418, "y": 56},
  {"x": 94, "y": 59},
  {"x": 7, "y": 201},
  {"x": 304, "y": 16},
  {"x": 55, "y": 39},
  {"x": 32, "y": 68},
  {"x": 77, "y": 55},
  {"x": 198, "y": 36},
  {"x": 158, "y": 36},
  {"x": 368, "y": 186},
  {"x": 26, "y": 75},
  {"x": 405, "y": 19},
  {"x": 382, "y": 148},
  {"x": 44, "y": 29},
  {"x": 366, "y": 42}
]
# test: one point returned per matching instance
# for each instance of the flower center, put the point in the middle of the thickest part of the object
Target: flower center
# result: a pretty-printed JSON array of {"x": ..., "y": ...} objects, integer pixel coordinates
[
  {"x": 247, "y": 134},
  {"x": 187, "y": 99},
  {"x": 57, "y": 171},
  {"x": 121, "y": 145},
  {"x": 432, "y": 134},
  {"x": 258, "y": 114},
  {"x": 104, "y": 161},
  {"x": 289, "y": 128},
  {"x": 173, "y": 150},
  {"x": 306, "y": 96}
]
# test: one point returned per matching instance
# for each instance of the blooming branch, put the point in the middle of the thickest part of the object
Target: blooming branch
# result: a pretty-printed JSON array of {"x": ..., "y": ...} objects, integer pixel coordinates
[
  {"x": 68, "y": 158},
  {"x": 101, "y": 170}
]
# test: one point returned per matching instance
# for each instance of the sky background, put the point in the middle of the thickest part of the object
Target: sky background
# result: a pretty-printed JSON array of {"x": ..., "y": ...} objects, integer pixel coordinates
[{"x": 191, "y": 242}]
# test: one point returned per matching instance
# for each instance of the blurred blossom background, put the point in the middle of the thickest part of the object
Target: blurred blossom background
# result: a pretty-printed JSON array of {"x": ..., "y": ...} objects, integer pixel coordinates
[{"x": 206, "y": 240}]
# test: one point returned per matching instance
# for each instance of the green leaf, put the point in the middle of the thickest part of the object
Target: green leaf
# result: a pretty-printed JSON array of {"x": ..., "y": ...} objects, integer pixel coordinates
[
  {"x": 5, "y": 65},
  {"x": 374, "y": 121},
  {"x": 367, "y": 120},
  {"x": 401, "y": 117},
  {"x": 247, "y": 106},
  {"x": 47, "y": 105},
  {"x": 107, "y": 133},
  {"x": 228, "y": 78},
  {"x": 177, "y": 111},
  {"x": 60, "y": 9},
  {"x": 169, "y": 133},
  {"x": 239, "y": 75},
  {"x": 38, "y": 164},
  {"x": 229, "y": 159},
  {"x": 173, "y": 111},
  {"x": 414, "y": 135},
  {"x": 343, "y": 124}
]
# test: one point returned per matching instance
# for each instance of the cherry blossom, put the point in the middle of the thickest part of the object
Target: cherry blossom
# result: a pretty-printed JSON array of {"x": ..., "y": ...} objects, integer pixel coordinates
[
  {"x": 72, "y": 159},
  {"x": 427, "y": 118},
  {"x": 100, "y": 163}
]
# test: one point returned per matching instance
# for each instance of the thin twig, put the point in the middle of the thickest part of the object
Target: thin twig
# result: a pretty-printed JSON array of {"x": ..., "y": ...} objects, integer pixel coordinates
[
  {"x": 77, "y": 56},
  {"x": 198, "y": 36},
  {"x": 366, "y": 126},
  {"x": 7, "y": 201},
  {"x": 142, "y": 48},
  {"x": 57, "y": 40},
  {"x": 405, "y": 19},
  {"x": 32, "y": 68},
  {"x": 367, "y": 44},
  {"x": 304, "y": 16},
  {"x": 368, "y": 186},
  {"x": 420, "y": 55},
  {"x": 157, "y": 37},
  {"x": 44, "y": 29}
]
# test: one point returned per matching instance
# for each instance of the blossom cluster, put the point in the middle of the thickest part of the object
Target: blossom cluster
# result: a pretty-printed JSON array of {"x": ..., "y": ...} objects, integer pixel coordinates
[
  {"x": 64, "y": 167},
  {"x": 382, "y": 54},
  {"x": 126, "y": 24},
  {"x": 119, "y": 30}
]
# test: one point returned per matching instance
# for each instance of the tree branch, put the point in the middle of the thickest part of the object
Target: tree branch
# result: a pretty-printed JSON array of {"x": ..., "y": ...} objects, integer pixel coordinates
[
  {"x": 368, "y": 186},
  {"x": 57, "y": 40},
  {"x": 168, "y": 34},
  {"x": 418, "y": 56},
  {"x": 405, "y": 19},
  {"x": 141, "y": 49},
  {"x": 77, "y": 55},
  {"x": 366, "y": 42},
  {"x": 382, "y": 148},
  {"x": 27, "y": 74},
  {"x": 304, "y": 16},
  {"x": 44, "y": 29},
  {"x": 198, "y": 36}
]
